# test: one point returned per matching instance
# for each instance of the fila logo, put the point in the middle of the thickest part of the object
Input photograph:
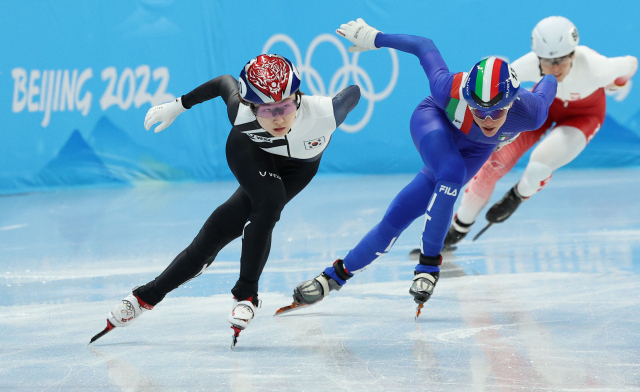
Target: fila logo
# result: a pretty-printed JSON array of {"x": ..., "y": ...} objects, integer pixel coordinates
[
  {"x": 447, "y": 191},
  {"x": 264, "y": 174}
]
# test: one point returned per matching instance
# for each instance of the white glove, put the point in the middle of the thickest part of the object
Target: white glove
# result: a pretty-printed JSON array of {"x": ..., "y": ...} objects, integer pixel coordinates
[
  {"x": 361, "y": 35},
  {"x": 167, "y": 112},
  {"x": 619, "y": 93}
]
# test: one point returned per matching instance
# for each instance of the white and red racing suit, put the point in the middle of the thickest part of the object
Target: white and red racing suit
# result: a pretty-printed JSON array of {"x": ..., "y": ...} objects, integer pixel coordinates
[{"x": 578, "y": 112}]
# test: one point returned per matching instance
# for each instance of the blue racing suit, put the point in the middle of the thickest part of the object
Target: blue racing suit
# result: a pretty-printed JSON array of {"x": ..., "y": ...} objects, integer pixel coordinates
[{"x": 453, "y": 149}]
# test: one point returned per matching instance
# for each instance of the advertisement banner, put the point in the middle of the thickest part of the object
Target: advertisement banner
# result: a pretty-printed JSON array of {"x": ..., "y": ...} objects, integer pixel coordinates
[{"x": 77, "y": 78}]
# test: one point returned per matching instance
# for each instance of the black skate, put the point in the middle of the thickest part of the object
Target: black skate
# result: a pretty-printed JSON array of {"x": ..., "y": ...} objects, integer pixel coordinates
[
  {"x": 502, "y": 210},
  {"x": 457, "y": 232}
]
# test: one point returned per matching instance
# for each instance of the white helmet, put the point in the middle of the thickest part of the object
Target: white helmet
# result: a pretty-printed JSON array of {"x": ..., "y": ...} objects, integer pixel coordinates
[{"x": 554, "y": 37}]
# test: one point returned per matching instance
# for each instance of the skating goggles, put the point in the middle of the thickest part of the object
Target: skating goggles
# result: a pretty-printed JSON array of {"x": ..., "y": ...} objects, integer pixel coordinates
[
  {"x": 495, "y": 114},
  {"x": 276, "y": 109},
  {"x": 564, "y": 60}
]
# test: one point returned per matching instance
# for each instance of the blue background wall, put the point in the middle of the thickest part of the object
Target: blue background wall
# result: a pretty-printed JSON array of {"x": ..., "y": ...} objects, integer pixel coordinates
[{"x": 138, "y": 45}]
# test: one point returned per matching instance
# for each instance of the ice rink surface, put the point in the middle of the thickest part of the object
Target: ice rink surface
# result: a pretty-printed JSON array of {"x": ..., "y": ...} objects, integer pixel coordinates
[{"x": 549, "y": 300}]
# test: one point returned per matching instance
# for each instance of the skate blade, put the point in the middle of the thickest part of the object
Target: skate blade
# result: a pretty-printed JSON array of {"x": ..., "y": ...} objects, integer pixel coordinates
[
  {"x": 482, "y": 231},
  {"x": 108, "y": 329},
  {"x": 290, "y": 308},
  {"x": 419, "y": 311},
  {"x": 234, "y": 337}
]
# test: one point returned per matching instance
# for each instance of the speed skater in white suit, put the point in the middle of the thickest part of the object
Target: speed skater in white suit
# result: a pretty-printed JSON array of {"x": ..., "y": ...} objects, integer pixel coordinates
[{"x": 584, "y": 77}]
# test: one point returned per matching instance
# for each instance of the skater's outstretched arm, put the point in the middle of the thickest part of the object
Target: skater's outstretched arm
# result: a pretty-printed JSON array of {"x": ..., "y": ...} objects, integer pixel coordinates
[
  {"x": 531, "y": 109},
  {"x": 225, "y": 86},
  {"x": 365, "y": 37},
  {"x": 344, "y": 102}
]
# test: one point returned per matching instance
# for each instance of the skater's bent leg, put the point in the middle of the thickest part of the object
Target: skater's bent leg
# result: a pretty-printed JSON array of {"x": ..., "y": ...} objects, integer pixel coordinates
[
  {"x": 562, "y": 145},
  {"x": 269, "y": 193},
  {"x": 442, "y": 158},
  {"x": 481, "y": 187},
  {"x": 223, "y": 226},
  {"x": 408, "y": 205},
  {"x": 266, "y": 207},
  {"x": 295, "y": 177}
]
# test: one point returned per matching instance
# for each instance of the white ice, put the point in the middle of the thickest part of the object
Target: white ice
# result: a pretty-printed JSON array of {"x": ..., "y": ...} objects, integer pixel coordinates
[{"x": 548, "y": 300}]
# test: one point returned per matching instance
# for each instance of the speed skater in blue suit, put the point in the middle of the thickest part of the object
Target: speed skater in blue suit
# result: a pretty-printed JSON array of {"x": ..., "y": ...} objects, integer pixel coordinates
[{"x": 455, "y": 130}]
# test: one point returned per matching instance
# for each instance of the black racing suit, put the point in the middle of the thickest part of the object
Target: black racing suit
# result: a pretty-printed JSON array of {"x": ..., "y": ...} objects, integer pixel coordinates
[{"x": 267, "y": 183}]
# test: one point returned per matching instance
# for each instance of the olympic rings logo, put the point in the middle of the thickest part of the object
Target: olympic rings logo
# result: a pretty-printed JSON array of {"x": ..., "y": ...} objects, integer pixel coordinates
[{"x": 340, "y": 79}]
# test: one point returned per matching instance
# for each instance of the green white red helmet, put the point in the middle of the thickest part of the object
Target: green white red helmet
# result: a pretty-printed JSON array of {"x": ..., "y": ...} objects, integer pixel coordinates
[{"x": 491, "y": 84}]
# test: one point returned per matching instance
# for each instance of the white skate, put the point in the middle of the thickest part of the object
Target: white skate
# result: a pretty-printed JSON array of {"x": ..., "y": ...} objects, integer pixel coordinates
[
  {"x": 127, "y": 311},
  {"x": 241, "y": 315},
  {"x": 124, "y": 314}
]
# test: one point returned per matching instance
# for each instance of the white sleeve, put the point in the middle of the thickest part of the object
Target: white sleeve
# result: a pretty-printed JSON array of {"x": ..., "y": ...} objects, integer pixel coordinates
[
  {"x": 605, "y": 70},
  {"x": 621, "y": 80},
  {"x": 320, "y": 106},
  {"x": 527, "y": 68}
]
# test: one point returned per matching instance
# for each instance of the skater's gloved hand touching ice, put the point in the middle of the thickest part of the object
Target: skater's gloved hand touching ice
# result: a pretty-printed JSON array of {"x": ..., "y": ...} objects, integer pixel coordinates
[
  {"x": 165, "y": 114},
  {"x": 361, "y": 35}
]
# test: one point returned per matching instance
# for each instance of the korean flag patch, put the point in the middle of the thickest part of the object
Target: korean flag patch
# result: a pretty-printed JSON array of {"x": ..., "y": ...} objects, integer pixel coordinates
[{"x": 315, "y": 143}]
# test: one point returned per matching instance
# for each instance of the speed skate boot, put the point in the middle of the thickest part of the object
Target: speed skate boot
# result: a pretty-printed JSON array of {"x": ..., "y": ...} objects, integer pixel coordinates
[
  {"x": 127, "y": 311},
  {"x": 124, "y": 314},
  {"x": 457, "y": 232},
  {"x": 502, "y": 210},
  {"x": 242, "y": 314},
  {"x": 423, "y": 285},
  {"x": 314, "y": 290},
  {"x": 425, "y": 282}
]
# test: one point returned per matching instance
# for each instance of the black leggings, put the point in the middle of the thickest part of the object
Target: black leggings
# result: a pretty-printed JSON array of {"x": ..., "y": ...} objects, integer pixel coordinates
[{"x": 267, "y": 183}]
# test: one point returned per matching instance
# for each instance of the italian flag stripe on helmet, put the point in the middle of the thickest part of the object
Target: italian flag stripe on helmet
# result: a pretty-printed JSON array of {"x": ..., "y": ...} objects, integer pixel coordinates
[
  {"x": 479, "y": 77},
  {"x": 495, "y": 76},
  {"x": 488, "y": 78}
]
